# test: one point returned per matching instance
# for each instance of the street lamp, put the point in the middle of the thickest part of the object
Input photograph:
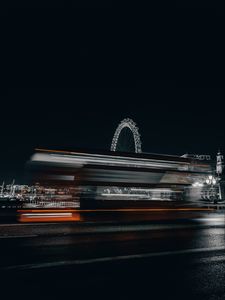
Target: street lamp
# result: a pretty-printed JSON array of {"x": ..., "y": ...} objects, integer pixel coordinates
[{"x": 212, "y": 181}]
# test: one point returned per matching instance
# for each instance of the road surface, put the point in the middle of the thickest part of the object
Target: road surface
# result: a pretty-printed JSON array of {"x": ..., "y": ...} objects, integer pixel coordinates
[{"x": 142, "y": 260}]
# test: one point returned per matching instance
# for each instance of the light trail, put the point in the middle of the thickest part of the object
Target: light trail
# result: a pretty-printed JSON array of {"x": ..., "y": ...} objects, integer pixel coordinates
[
  {"x": 119, "y": 209},
  {"x": 18, "y": 236},
  {"x": 84, "y": 158}
]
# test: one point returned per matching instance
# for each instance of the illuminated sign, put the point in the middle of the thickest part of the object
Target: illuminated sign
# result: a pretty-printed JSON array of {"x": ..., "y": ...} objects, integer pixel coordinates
[{"x": 202, "y": 157}]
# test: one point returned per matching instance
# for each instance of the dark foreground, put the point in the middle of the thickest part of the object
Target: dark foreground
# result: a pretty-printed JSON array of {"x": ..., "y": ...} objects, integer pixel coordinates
[{"x": 167, "y": 260}]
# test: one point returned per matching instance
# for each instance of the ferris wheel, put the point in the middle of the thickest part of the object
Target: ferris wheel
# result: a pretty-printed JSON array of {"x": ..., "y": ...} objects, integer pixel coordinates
[{"x": 126, "y": 137}]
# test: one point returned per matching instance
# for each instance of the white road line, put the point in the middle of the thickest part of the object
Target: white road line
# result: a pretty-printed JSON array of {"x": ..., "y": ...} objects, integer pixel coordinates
[{"x": 117, "y": 258}]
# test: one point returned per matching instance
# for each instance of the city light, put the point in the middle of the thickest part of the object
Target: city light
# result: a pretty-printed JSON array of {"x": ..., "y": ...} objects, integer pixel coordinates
[
  {"x": 197, "y": 184},
  {"x": 211, "y": 180}
]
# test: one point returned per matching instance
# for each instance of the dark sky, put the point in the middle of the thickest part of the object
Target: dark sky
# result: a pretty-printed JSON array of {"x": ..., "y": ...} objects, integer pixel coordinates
[{"x": 75, "y": 72}]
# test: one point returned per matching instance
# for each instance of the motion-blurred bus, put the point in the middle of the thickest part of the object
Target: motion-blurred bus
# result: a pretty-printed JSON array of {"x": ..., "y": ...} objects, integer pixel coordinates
[{"x": 68, "y": 183}]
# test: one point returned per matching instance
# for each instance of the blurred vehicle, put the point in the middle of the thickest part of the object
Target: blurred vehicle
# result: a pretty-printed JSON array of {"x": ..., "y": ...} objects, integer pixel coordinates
[{"x": 110, "y": 180}]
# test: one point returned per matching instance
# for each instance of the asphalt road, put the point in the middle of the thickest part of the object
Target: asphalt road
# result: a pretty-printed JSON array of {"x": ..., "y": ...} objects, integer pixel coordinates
[{"x": 164, "y": 260}]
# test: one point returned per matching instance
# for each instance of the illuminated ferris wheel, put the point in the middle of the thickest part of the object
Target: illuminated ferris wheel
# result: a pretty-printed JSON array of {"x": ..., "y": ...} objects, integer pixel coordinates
[{"x": 126, "y": 137}]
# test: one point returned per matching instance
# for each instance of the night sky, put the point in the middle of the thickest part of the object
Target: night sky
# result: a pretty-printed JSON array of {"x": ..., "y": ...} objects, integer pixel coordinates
[{"x": 76, "y": 72}]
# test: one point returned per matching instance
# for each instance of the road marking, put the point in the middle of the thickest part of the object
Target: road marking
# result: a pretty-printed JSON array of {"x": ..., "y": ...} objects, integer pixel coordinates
[{"x": 120, "y": 258}]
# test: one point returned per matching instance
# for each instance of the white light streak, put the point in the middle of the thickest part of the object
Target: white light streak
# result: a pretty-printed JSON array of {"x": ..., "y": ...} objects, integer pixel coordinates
[
  {"x": 34, "y": 215},
  {"x": 124, "y": 195},
  {"x": 80, "y": 160}
]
